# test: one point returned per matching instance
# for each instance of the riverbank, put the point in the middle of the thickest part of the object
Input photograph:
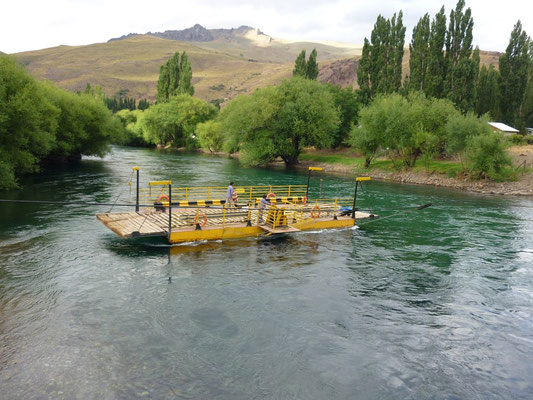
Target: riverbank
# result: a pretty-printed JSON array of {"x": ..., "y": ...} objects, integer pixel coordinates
[{"x": 522, "y": 158}]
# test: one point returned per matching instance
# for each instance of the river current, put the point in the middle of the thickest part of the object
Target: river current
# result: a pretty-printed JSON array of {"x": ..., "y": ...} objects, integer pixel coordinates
[{"x": 428, "y": 304}]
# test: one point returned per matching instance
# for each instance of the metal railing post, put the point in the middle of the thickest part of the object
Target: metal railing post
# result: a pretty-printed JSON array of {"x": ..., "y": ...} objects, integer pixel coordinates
[
  {"x": 169, "y": 209},
  {"x": 137, "y": 196}
]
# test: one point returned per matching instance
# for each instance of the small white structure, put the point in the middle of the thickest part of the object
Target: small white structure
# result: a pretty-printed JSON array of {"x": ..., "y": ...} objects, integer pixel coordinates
[
  {"x": 529, "y": 131},
  {"x": 501, "y": 127}
]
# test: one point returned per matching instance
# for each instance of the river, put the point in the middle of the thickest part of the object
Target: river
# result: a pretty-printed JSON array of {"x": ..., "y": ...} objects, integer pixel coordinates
[{"x": 435, "y": 303}]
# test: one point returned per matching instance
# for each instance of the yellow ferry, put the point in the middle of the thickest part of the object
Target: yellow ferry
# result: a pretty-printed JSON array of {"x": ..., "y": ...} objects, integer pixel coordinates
[{"x": 189, "y": 214}]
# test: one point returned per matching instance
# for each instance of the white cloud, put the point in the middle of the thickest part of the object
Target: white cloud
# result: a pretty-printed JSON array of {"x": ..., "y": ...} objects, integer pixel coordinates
[{"x": 29, "y": 25}]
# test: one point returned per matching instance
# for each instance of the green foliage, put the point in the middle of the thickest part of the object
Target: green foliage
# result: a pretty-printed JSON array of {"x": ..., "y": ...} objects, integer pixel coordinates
[
  {"x": 300, "y": 65},
  {"x": 434, "y": 82},
  {"x": 28, "y": 121},
  {"x": 348, "y": 104},
  {"x": 419, "y": 54},
  {"x": 42, "y": 122},
  {"x": 488, "y": 92},
  {"x": 462, "y": 65},
  {"x": 486, "y": 156},
  {"x": 279, "y": 121},
  {"x": 516, "y": 139},
  {"x": 132, "y": 122},
  {"x": 210, "y": 135},
  {"x": 175, "y": 77},
  {"x": 404, "y": 128},
  {"x": 306, "y": 69},
  {"x": 84, "y": 124},
  {"x": 380, "y": 66},
  {"x": 515, "y": 65},
  {"x": 311, "y": 68},
  {"x": 460, "y": 128},
  {"x": 174, "y": 122},
  {"x": 143, "y": 104}
]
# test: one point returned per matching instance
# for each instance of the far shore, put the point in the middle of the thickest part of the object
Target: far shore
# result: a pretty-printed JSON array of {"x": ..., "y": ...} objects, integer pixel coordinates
[{"x": 521, "y": 155}]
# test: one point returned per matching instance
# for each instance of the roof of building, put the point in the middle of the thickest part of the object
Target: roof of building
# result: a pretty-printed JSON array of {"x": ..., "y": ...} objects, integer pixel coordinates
[{"x": 502, "y": 127}]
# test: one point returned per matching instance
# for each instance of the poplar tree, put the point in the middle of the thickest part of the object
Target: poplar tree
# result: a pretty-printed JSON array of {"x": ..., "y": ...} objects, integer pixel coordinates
[
  {"x": 311, "y": 69},
  {"x": 514, "y": 65},
  {"x": 175, "y": 78},
  {"x": 488, "y": 92},
  {"x": 380, "y": 66},
  {"x": 300, "y": 65},
  {"x": 419, "y": 55},
  {"x": 462, "y": 68},
  {"x": 434, "y": 83}
]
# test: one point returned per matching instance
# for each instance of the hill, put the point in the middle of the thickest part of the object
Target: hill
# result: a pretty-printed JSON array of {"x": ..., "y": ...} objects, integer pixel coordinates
[{"x": 225, "y": 62}]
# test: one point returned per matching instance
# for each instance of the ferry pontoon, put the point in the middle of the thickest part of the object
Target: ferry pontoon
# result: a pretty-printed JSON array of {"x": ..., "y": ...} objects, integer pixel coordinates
[{"x": 189, "y": 214}]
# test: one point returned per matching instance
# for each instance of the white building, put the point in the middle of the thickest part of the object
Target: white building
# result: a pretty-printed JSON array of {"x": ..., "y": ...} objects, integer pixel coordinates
[{"x": 501, "y": 127}]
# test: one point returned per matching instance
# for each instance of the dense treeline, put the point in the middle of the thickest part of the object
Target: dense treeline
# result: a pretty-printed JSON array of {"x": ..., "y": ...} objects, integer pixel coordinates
[{"x": 40, "y": 122}]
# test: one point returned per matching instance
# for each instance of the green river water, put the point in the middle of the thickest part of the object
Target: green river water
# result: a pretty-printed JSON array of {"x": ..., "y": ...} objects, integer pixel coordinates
[{"x": 430, "y": 304}]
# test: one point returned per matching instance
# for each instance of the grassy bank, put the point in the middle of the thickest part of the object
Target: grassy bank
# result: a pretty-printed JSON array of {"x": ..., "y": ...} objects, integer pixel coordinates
[{"x": 355, "y": 163}]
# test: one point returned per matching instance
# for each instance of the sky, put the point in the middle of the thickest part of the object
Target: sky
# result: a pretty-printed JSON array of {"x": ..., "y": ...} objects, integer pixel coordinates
[{"x": 35, "y": 24}]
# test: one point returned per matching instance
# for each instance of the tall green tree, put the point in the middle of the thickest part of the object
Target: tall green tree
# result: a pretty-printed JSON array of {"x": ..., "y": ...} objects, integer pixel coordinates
[
  {"x": 514, "y": 68},
  {"x": 280, "y": 121},
  {"x": 306, "y": 69},
  {"x": 436, "y": 72},
  {"x": 419, "y": 54},
  {"x": 311, "y": 68},
  {"x": 380, "y": 66},
  {"x": 462, "y": 67},
  {"x": 175, "y": 77},
  {"x": 300, "y": 65},
  {"x": 174, "y": 122},
  {"x": 488, "y": 92},
  {"x": 348, "y": 104}
]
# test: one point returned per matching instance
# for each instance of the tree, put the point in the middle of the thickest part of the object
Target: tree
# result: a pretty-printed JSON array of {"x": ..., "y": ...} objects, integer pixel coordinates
[
  {"x": 306, "y": 69},
  {"x": 279, "y": 121},
  {"x": 300, "y": 65},
  {"x": 347, "y": 102},
  {"x": 462, "y": 68},
  {"x": 436, "y": 72},
  {"x": 174, "y": 122},
  {"x": 380, "y": 66},
  {"x": 404, "y": 127},
  {"x": 210, "y": 135},
  {"x": 311, "y": 68},
  {"x": 419, "y": 55},
  {"x": 514, "y": 67},
  {"x": 486, "y": 156},
  {"x": 488, "y": 92},
  {"x": 28, "y": 121},
  {"x": 175, "y": 77}
]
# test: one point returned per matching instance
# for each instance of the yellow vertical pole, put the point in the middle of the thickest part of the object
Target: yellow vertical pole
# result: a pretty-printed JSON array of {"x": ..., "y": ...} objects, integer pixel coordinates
[
  {"x": 251, "y": 191},
  {"x": 289, "y": 193},
  {"x": 335, "y": 211},
  {"x": 209, "y": 193},
  {"x": 224, "y": 215},
  {"x": 186, "y": 194}
]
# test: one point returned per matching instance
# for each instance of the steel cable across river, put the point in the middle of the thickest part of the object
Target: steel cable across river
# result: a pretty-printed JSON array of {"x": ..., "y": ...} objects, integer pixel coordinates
[{"x": 435, "y": 303}]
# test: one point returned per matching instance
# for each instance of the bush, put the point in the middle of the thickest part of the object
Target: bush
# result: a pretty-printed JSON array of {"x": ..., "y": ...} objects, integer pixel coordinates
[
  {"x": 486, "y": 156},
  {"x": 516, "y": 139}
]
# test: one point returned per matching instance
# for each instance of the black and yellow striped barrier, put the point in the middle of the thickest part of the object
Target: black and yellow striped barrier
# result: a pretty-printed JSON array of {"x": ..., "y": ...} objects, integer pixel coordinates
[
  {"x": 292, "y": 199},
  {"x": 199, "y": 203}
]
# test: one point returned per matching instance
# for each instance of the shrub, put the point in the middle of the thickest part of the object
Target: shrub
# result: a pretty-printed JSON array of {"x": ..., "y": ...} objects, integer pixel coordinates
[
  {"x": 486, "y": 156},
  {"x": 516, "y": 139}
]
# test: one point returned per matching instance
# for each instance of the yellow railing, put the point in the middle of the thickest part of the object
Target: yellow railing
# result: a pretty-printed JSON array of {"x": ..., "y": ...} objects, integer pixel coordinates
[{"x": 246, "y": 193}]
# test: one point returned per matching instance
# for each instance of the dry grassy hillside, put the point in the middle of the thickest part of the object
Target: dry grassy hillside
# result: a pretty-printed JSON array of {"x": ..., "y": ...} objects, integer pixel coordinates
[
  {"x": 134, "y": 64},
  {"x": 222, "y": 68}
]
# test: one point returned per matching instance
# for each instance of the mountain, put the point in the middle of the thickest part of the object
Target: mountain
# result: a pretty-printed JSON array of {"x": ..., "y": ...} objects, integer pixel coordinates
[{"x": 225, "y": 62}]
